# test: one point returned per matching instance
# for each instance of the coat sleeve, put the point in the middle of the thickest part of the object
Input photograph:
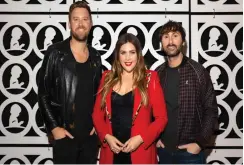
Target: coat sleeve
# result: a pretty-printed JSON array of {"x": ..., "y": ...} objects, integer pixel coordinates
[
  {"x": 45, "y": 77},
  {"x": 157, "y": 102},
  {"x": 98, "y": 115},
  {"x": 210, "y": 110}
]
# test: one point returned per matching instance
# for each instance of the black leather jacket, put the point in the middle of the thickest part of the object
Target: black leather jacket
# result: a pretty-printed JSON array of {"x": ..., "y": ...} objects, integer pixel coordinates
[{"x": 57, "y": 84}]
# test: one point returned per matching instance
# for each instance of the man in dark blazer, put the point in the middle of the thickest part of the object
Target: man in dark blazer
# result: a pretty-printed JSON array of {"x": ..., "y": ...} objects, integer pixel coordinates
[{"x": 190, "y": 100}]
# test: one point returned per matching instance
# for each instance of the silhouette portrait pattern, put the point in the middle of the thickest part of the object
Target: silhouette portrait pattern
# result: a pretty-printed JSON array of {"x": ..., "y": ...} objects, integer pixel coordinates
[{"x": 216, "y": 41}]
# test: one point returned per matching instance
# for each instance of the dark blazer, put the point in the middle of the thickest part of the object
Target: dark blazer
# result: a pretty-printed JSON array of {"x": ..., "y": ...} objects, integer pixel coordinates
[{"x": 198, "y": 112}]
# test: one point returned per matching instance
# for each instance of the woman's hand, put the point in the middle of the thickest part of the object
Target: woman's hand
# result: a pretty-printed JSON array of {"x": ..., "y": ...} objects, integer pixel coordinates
[
  {"x": 132, "y": 144},
  {"x": 115, "y": 145}
]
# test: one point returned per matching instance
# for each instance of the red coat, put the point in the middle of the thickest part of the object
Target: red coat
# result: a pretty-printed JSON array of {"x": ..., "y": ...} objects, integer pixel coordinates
[{"x": 146, "y": 153}]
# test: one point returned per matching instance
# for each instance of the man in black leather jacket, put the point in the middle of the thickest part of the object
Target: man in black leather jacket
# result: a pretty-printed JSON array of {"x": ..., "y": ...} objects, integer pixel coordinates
[{"x": 68, "y": 82}]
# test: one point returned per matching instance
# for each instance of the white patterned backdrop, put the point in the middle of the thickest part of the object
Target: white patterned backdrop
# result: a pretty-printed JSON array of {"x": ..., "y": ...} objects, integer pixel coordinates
[{"x": 28, "y": 27}]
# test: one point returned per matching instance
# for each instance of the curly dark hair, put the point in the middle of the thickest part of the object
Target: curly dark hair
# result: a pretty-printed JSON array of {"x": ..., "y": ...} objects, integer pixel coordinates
[{"x": 172, "y": 26}]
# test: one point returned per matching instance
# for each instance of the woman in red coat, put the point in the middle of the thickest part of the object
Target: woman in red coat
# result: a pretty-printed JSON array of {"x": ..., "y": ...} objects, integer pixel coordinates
[{"x": 129, "y": 112}]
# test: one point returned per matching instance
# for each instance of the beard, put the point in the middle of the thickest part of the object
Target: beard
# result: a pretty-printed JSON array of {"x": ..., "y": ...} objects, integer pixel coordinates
[
  {"x": 79, "y": 37},
  {"x": 173, "y": 53}
]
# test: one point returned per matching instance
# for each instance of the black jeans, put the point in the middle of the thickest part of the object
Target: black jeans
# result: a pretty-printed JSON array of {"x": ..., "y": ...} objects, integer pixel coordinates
[
  {"x": 180, "y": 157},
  {"x": 69, "y": 151}
]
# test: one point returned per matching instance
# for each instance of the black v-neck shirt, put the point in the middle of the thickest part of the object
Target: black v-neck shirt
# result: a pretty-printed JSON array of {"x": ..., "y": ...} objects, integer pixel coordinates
[{"x": 83, "y": 101}]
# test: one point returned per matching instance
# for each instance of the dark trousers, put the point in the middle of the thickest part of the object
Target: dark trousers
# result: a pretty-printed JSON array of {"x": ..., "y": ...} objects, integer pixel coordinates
[
  {"x": 69, "y": 151},
  {"x": 180, "y": 157}
]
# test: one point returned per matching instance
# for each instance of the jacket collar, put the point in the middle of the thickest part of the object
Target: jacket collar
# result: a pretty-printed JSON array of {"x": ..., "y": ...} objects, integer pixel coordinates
[
  {"x": 68, "y": 57},
  {"x": 183, "y": 62}
]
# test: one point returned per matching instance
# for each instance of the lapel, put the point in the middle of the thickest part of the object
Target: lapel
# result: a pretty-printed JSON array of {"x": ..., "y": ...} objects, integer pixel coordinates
[
  {"x": 137, "y": 101},
  {"x": 69, "y": 70},
  {"x": 108, "y": 103},
  {"x": 92, "y": 59}
]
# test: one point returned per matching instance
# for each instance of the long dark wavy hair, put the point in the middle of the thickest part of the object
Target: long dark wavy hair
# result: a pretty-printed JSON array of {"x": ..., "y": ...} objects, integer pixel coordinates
[{"x": 139, "y": 72}]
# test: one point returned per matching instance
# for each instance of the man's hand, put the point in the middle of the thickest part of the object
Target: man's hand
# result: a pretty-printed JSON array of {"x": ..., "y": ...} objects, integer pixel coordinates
[
  {"x": 114, "y": 144},
  {"x": 160, "y": 144},
  {"x": 192, "y": 148},
  {"x": 60, "y": 133},
  {"x": 93, "y": 131},
  {"x": 132, "y": 144}
]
